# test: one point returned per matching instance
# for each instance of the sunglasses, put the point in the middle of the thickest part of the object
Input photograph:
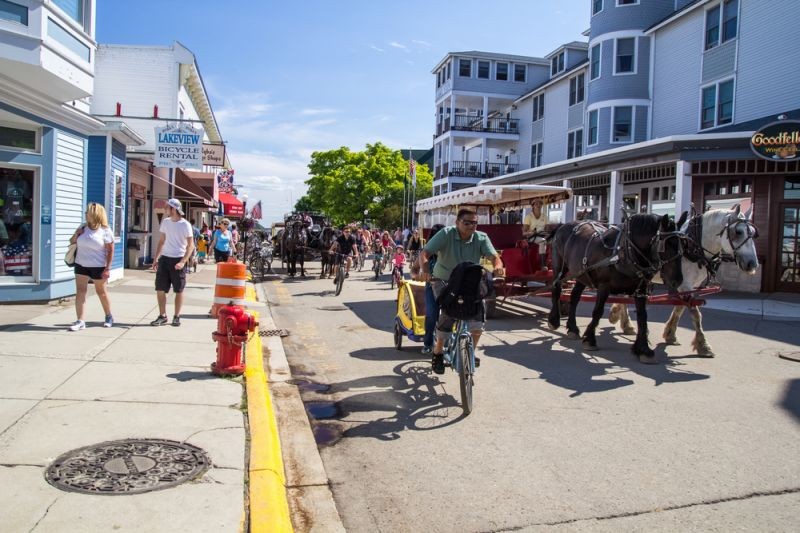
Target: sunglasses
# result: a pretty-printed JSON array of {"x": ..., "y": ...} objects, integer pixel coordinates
[{"x": 469, "y": 222}]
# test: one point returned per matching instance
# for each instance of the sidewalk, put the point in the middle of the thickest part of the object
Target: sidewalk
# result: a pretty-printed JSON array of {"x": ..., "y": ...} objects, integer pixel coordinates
[
  {"x": 773, "y": 307},
  {"x": 62, "y": 390}
]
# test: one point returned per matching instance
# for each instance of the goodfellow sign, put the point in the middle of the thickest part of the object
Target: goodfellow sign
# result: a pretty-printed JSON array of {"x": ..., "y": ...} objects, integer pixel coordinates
[
  {"x": 777, "y": 141},
  {"x": 179, "y": 146}
]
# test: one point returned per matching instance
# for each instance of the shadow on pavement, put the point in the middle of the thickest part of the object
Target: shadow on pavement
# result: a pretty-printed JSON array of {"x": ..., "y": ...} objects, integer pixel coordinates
[
  {"x": 791, "y": 400},
  {"x": 580, "y": 371},
  {"x": 192, "y": 375},
  {"x": 376, "y": 314},
  {"x": 390, "y": 353}
]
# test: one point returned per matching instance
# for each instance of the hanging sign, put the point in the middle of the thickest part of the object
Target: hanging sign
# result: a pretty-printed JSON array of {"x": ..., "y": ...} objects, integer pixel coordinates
[
  {"x": 214, "y": 155},
  {"x": 777, "y": 141},
  {"x": 225, "y": 181},
  {"x": 179, "y": 146}
]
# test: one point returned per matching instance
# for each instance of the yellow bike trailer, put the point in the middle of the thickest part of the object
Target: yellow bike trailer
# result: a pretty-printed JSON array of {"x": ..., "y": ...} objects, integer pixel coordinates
[{"x": 410, "y": 319}]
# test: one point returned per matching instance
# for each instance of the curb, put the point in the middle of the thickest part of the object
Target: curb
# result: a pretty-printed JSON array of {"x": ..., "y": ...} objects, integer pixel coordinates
[{"x": 269, "y": 507}]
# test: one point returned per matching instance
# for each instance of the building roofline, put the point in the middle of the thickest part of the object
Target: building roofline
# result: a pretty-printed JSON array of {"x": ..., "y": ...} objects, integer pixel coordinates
[
  {"x": 552, "y": 81},
  {"x": 490, "y": 55},
  {"x": 575, "y": 45},
  {"x": 685, "y": 10}
]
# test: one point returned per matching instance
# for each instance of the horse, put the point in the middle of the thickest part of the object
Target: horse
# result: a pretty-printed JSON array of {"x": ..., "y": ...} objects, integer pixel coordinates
[
  {"x": 617, "y": 260},
  {"x": 716, "y": 236},
  {"x": 326, "y": 240},
  {"x": 293, "y": 246}
]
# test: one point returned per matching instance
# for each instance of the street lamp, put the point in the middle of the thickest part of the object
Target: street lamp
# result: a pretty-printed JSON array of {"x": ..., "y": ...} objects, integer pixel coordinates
[{"x": 244, "y": 226}]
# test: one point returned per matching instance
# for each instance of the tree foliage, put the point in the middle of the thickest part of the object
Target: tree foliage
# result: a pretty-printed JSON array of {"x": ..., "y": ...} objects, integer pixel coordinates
[
  {"x": 304, "y": 204},
  {"x": 344, "y": 184}
]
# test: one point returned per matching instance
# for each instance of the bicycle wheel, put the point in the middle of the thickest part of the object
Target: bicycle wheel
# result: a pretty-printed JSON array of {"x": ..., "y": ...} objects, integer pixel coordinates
[
  {"x": 394, "y": 278},
  {"x": 465, "y": 350},
  {"x": 256, "y": 267},
  {"x": 398, "y": 336},
  {"x": 377, "y": 269},
  {"x": 339, "y": 280}
]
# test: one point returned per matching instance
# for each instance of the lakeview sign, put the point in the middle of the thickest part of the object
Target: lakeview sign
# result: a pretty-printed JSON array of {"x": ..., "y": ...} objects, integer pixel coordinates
[
  {"x": 179, "y": 146},
  {"x": 777, "y": 141},
  {"x": 214, "y": 155}
]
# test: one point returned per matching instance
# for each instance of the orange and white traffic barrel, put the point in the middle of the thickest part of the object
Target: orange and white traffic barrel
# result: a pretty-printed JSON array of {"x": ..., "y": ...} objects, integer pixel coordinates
[{"x": 230, "y": 285}]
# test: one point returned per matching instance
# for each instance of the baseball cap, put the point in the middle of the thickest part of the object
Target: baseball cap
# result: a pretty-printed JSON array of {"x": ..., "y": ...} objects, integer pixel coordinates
[{"x": 176, "y": 204}]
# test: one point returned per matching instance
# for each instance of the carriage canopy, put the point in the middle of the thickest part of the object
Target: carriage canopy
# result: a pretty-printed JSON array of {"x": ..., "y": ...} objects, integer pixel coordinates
[{"x": 442, "y": 209}]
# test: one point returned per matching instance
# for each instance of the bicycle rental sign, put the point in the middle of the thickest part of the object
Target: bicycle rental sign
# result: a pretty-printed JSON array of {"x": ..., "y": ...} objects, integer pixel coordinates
[{"x": 179, "y": 146}]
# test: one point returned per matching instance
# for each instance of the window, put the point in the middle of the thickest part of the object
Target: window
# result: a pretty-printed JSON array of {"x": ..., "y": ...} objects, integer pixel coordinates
[
  {"x": 538, "y": 107},
  {"x": 575, "y": 144},
  {"x": 576, "y": 89},
  {"x": 65, "y": 38},
  {"x": 16, "y": 230},
  {"x": 519, "y": 73},
  {"x": 623, "y": 122},
  {"x": 557, "y": 64},
  {"x": 465, "y": 68},
  {"x": 18, "y": 139},
  {"x": 483, "y": 70},
  {"x": 717, "y": 102},
  {"x": 72, "y": 8},
  {"x": 625, "y": 56},
  {"x": 592, "y": 128},
  {"x": 594, "y": 71},
  {"x": 597, "y": 6},
  {"x": 726, "y": 16},
  {"x": 118, "y": 210},
  {"x": 13, "y": 12},
  {"x": 536, "y": 155},
  {"x": 502, "y": 72},
  {"x": 627, "y": 2}
]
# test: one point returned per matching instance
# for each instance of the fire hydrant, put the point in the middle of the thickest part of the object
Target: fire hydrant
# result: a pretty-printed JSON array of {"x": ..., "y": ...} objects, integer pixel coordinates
[{"x": 233, "y": 326}]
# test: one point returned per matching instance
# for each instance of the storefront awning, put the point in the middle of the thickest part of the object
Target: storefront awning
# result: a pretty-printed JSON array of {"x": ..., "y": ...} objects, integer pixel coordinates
[
  {"x": 184, "y": 181},
  {"x": 231, "y": 206}
]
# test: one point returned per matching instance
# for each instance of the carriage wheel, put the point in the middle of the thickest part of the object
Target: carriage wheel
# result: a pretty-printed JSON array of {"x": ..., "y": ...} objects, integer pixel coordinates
[{"x": 398, "y": 336}]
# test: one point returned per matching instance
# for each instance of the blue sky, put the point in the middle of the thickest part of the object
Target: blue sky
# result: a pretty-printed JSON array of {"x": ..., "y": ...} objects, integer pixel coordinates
[{"x": 286, "y": 79}]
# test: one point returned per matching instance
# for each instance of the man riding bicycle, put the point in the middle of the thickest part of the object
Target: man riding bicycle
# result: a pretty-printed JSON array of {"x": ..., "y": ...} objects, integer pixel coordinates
[
  {"x": 344, "y": 244},
  {"x": 454, "y": 245}
]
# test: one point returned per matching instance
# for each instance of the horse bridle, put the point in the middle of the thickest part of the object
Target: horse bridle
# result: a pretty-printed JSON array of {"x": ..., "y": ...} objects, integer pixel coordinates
[{"x": 730, "y": 225}]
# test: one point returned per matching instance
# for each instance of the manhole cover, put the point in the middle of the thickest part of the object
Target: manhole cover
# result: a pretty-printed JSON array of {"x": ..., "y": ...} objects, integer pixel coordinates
[{"x": 130, "y": 466}]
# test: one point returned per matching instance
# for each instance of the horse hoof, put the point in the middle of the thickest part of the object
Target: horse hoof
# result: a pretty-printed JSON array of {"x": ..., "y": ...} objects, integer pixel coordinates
[
  {"x": 629, "y": 331},
  {"x": 552, "y": 326},
  {"x": 647, "y": 359},
  {"x": 704, "y": 351},
  {"x": 589, "y": 347},
  {"x": 573, "y": 336}
]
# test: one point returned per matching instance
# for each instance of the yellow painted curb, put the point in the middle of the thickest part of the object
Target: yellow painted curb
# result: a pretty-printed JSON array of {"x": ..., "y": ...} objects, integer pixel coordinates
[{"x": 269, "y": 508}]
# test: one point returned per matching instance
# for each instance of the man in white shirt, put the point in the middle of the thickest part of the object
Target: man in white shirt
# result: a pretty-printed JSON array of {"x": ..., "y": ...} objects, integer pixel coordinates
[
  {"x": 535, "y": 221},
  {"x": 174, "y": 249}
]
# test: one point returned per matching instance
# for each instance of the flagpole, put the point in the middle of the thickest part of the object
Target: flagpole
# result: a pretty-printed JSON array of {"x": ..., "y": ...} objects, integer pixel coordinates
[{"x": 403, "y": 210}]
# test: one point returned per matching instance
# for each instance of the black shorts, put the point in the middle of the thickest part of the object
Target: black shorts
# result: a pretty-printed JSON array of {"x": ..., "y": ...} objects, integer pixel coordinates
[
  {"x": 92, "y": 272},
  {"x": 220, "y": 256},
  {"x": 167, "y": 276}
]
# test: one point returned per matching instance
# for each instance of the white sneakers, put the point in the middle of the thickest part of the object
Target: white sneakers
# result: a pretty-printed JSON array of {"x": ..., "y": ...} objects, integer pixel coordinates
[{"x": 78, "y": 325}]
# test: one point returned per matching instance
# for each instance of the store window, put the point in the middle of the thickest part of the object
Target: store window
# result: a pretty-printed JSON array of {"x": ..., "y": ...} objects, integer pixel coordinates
[
  {"x": 16, "y": 222},
  {"x": 18, "y": 138},
  {"x": 118, "y": 200}
]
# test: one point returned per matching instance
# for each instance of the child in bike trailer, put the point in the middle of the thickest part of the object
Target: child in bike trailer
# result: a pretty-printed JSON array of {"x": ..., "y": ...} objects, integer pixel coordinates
[{"x": 399, "y": 259}]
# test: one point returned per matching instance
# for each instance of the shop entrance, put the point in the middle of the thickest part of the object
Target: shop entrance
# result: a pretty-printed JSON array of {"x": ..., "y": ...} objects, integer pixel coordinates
[{"x": 789, "y": 261}]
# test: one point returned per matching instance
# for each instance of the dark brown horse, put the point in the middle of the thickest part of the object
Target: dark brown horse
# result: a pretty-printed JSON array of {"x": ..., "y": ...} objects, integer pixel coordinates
[
  {"x": 293, "y": 246},
  {"x": 326, "y": 257},
  {"x": 617, "y": 260}
]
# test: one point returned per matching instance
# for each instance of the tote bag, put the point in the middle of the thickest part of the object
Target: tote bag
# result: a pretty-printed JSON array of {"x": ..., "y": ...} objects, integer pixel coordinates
[{"x": 69, "y": 257}]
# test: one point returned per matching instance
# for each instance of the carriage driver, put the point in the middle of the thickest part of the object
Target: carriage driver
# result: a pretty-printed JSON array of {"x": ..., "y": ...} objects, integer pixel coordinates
[
  {"x": 454, "y": 245},
  {"x": 344, "y": 244},
  {"x": 534, "y": 228}
]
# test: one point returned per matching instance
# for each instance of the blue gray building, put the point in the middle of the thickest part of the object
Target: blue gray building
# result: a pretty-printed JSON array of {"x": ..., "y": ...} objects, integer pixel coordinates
[{"x": 654, "y": 112}]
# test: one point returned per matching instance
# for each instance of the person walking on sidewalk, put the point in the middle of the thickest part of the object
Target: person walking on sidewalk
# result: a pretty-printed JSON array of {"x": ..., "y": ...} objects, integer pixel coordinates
[
  {"x": 221, "y": 242},
  {"x": 174, "y": 249},
  {"x": 93, "y": 261}
]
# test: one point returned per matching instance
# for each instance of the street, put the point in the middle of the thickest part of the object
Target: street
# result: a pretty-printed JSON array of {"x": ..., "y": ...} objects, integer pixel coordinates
[{"x": 560, "y": 438}]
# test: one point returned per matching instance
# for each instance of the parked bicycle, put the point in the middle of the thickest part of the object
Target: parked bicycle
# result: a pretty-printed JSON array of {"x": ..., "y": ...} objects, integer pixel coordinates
[{"x": 259, "y": 259}]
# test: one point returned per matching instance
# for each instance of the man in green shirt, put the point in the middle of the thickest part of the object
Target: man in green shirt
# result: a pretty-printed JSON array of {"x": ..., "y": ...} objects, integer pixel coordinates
[{"x": 454, "y": 245}]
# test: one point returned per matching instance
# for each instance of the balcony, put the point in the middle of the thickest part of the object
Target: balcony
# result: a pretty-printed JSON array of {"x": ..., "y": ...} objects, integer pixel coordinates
[
  {"x": 476, "y": 169},
  {"x": 44, "y": 49},
  {"x": 475, "y": 124}
]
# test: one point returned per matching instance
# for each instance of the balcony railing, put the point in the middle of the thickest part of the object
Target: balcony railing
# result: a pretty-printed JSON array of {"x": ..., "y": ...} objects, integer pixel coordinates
[
  {"x": 475, "y": 123},
  {"x": 502, "y": 125},
  {"x": 476, "y": 169}
]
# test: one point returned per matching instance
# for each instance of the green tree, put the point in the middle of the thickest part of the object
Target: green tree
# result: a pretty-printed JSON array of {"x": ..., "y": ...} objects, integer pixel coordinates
[
  {"x": 304, "y": 204},
  {"x": 344, "y": 184}
]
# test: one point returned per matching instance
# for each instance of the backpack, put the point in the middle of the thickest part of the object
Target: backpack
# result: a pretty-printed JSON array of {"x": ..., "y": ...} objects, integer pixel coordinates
[{"x": 462, "y": 297}]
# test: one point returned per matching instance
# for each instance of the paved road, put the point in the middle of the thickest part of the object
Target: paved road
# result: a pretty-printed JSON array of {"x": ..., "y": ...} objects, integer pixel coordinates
[{"x": 559, "y": 439}]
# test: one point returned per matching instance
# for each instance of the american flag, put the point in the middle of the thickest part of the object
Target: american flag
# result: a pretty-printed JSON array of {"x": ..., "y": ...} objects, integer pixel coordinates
[
  {"x": 256, "y": 211},
  {"x": 17, "y": 259}
]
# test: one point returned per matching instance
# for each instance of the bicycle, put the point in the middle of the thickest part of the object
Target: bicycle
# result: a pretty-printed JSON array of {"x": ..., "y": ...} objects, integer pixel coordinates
[
  {"x": 397, "y": 276},
  {"x": 341, "y": 263},
  {"x": 459, "y": 354}
]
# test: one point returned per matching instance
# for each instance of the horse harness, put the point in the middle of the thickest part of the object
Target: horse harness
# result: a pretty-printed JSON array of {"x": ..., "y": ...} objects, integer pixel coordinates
[{"x": 696, "y": 253}]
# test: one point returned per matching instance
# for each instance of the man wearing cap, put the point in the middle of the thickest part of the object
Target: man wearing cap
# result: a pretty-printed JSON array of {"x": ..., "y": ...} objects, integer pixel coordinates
[{"x": 174, "y": 249}]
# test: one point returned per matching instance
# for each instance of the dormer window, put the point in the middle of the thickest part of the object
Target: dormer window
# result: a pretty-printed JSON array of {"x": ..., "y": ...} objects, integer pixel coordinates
[
  {"x": 557, "y": 64},
  {"x": 597, "y": 6},
  {"x": 519, "y": 73}
]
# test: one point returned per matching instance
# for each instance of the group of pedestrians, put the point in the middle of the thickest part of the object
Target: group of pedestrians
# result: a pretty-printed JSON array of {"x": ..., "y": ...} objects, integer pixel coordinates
[{"x": 177, "y": 244}]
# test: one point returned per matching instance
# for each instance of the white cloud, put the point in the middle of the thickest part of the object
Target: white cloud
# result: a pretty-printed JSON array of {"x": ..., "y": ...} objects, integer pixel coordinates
[
  {"x": 322, "y": 111},
  {"x": 395, "y": 44},
  {"x": 372, "y": 46},
  {"x": 423, "y": 44}
]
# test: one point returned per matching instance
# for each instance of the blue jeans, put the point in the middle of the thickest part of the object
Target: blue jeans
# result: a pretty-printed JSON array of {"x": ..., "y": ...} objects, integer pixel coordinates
[{"x": 431, "y": 315}]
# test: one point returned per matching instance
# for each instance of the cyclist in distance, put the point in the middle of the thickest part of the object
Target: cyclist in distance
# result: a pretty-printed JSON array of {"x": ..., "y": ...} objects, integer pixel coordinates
[
  {"x": 399, "y": 260},
  {"x": 454, "y": 245},
  {"x": 344, "y": 244}
]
